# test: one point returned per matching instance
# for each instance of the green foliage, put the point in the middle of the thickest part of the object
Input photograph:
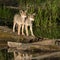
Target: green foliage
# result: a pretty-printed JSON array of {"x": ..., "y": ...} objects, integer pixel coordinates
[
  {"x": 1, "y": 56},
  {"x": 46, "y": 19}
]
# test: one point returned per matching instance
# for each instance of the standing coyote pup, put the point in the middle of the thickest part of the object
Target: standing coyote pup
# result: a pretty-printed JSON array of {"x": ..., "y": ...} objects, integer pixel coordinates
[
  {"x": 28, "y": 22},
  {"x": 19, "y": 20}
]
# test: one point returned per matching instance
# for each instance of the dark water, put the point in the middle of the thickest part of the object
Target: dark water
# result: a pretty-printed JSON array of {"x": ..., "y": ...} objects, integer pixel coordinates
[{"x": 4, "y": 55}]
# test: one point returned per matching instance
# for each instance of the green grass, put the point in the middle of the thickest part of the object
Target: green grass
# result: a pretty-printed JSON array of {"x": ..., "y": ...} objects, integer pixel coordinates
[{"x": 46, "y": 18}]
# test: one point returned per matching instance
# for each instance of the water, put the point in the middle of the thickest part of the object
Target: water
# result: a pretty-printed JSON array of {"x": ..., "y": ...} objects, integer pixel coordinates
[{"x": 4, "y": 55}]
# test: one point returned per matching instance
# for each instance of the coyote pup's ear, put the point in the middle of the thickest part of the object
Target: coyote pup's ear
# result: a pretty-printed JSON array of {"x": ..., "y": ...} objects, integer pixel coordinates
[
  {"x": 28, "y": 15},
  {"x": 33, "y": 14},
  {"x": 20, "y": 11},
  {"x": 25, "y": 11}
]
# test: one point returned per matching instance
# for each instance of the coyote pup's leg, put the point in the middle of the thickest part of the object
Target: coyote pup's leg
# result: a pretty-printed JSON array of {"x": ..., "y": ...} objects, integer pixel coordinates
[
  {"x": 14, "y": 27},
  {"x": 31, "y": 31},
  {"x": 26, "y": 28},
  {"x": 23, "y": 30},
  {"x": 19, "y": 26}
]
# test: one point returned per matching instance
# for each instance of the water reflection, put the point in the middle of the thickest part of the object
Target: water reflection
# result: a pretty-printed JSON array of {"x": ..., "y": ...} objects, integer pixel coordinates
[
  {"x": 5, "y": 55},
  {"x": 20, "y": 56}
]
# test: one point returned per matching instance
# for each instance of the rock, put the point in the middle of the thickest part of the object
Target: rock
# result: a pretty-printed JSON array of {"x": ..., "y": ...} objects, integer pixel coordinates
[
  {"x": 14, "y": 44},
  {"x": 57, "y": 42}
]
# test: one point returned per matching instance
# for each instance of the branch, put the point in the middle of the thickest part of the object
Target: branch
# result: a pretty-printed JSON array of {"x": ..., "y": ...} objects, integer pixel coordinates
[
  {"x": 12, "y": 7},
  {"x": 47, "y": 55}
]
